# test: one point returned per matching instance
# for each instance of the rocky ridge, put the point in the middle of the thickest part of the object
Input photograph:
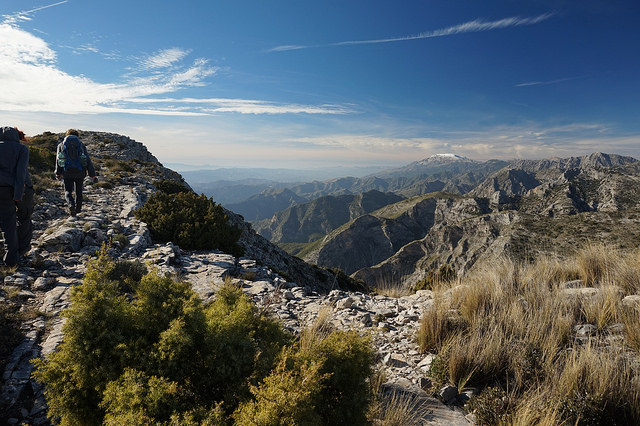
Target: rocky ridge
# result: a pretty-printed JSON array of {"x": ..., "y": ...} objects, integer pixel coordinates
[
  {"x": 63, "y": 244},
  {"x": 453, "y": 175},
  {"x": 524, "y": 210}
]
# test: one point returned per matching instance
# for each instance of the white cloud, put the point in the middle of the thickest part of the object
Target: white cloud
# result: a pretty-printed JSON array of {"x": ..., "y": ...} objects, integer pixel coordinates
[
  {"x": 22, "y": 47},
  {"x": 31, "y": 80},
  {"x": 477, "y": 25},
  {"x": 163, "y": 59},
  {"x": 248, "y": 106},
  {"x": 531, "y": 141}
]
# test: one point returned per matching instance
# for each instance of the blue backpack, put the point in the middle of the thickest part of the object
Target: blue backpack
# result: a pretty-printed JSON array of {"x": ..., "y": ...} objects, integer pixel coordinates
[{"x": 72, "y": 155}]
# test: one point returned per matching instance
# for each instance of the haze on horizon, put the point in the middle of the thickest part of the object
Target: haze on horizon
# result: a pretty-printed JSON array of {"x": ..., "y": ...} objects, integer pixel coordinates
[{"x": 299, "y": 84}]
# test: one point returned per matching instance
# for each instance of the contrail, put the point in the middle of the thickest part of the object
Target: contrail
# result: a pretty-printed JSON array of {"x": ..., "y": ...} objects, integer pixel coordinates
[
  {"x": 44, "y": 7},
  {"x": 477, "y": 25},
  {"x": 14, "y": 16}
]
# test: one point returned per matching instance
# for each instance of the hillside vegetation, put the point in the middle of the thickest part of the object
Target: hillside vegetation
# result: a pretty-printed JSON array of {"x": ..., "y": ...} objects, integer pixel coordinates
[{"x": 141, "y": 348}]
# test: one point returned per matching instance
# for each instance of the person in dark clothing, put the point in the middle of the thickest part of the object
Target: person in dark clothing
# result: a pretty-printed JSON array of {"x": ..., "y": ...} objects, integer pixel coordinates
[
  {"x": 14, "y": 159},
  {"x": 72, "y": 164},
  {"x": 25, "y": 212}
]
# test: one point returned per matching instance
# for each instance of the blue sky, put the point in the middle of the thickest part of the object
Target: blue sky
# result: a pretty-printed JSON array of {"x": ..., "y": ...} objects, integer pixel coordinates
[{"x": 303, "y": 84}]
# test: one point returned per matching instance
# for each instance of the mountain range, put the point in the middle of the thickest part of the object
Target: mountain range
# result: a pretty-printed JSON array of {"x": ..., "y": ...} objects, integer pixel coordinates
[
  {"x": 452, "y": 174},
  {"x": 519, "y": 209}
]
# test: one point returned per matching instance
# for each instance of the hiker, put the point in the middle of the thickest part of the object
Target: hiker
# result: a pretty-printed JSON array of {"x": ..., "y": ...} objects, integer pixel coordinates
[
  {"x": 72, "y": 164},
  {"x": 14, "y": 159},
  {"x": 25, "y": 211}
]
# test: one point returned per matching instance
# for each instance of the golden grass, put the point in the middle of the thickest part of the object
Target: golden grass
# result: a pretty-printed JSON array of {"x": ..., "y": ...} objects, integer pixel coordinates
[
  {"x": 318, "y": 330},
  {"x": 392, "y": 289},
  {"x": 512, "y": 326},
  {"x": 400, "y": 409},
  {"x": 631, "y": 321}
]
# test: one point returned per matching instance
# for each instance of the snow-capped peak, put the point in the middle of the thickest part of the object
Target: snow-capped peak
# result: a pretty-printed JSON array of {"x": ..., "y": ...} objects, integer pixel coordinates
[
  {"x": 442, "y": 158},
  {"x": 449, "y": 156}
]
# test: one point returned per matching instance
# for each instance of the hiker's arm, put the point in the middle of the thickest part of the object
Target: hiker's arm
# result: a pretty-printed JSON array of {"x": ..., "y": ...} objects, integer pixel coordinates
[
  {"x": 21, "y": 173},
  {"x": 90, "y": 168},
  {"x": 57, "y": 171}
]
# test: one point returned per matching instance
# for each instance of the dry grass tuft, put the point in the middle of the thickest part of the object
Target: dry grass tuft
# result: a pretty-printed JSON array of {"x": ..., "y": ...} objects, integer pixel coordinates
[
  {"x": 400, "y": 409},
  {"x": 317, "y": 331},
  {"x": 596, "y": 263},
  {"x": 511, "y": 327},
  {"x": 392, "y": 289}
]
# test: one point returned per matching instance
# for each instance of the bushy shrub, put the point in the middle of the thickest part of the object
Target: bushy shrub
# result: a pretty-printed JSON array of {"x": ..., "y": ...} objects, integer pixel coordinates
[
  {"x": 138, "y": 399},
  {"x": 325, "y": 380},
  {"x": 47, "y": 141},
  {"x": 190, "y": 221},
  {"x": 95, "y": 349},
  {"x": 170, "y": 186},
  {"x": 41, "y": 160},
  {"x": 285, "y": 397},
  {"x": 348, "y": 359},
  {"x": 140, "y": 348},
  {"x": 245, "y": 343},
  {"x": 120, "y": 165}
]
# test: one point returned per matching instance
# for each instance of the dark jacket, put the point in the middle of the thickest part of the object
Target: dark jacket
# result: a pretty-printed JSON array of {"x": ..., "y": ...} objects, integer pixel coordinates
[
  {"x": 74, "y": 173},
  {"x": 14, "y": 159}
]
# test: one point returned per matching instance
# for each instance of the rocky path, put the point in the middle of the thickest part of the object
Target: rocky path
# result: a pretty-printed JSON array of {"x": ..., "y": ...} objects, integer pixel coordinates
[{"x": 63, "y": 244}]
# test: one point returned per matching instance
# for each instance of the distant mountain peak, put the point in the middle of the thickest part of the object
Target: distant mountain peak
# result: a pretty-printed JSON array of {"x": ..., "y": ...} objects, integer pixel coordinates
[
  {"x": 449, "y": 156},
  {"x": 445, "y": 157},
  {"x": 442, "y": 159}
]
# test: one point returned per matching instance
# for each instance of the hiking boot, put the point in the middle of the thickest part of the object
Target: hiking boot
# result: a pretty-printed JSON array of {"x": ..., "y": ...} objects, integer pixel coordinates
[{"x": 72, "y": 211}]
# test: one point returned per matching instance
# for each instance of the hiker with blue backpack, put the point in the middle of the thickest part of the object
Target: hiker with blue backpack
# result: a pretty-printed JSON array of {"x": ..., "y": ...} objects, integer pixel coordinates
[{"x": 72, "y": 164}]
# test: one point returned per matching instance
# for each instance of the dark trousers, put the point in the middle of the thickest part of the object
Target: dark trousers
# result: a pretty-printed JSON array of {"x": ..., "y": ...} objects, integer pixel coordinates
[
  {"x": 25, "y": 225},
  {"x": 8, "y": 225},
  {"x": 72, "y": 185}
]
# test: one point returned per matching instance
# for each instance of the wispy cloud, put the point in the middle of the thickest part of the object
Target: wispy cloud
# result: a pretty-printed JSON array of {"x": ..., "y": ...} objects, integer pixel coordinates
[
  {"x": 163, "y": 59},
  {"x": 543, "y": 83},
  {"x": 246, "y": 106},
  {"x": 506, "y": 142},
  {"x": 477, "y": 25},
  {"x": 31, "y": 80}
]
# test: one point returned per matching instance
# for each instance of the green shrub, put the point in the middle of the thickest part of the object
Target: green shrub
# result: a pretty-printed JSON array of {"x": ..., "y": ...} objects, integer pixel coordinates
[
  {"x": 41, "y": 160},
  {"x": 47, "y": 141},
  {"x": 140, "y": 348},
  {"x": 137, "y": 399},
  {"x": 246, "y": 344},
  {"x": 119, "y": 165},
  {"x": 286, "y": 397},
  {"x": 94, "y": 351},
  {"x": 190, "y": 221},
  {"x": 439, "y": 370},
  {"x": 121, "y": 239},
  {"x": 125, "y": 355},
  {"x": 325, "y": 380},
  {"x": 170, "y": 186},
  {"x": 347, "y": 360}
]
